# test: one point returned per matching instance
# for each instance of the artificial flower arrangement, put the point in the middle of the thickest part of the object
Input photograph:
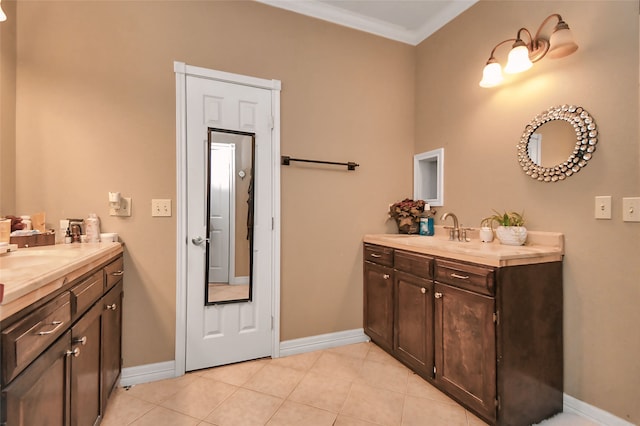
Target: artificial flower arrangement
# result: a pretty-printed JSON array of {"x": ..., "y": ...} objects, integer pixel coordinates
[{"x": 407, "y": 214}]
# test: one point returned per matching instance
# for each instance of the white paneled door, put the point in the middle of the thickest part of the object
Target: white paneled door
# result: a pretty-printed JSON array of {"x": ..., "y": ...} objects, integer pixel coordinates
[{"x": 232, "y": 332}]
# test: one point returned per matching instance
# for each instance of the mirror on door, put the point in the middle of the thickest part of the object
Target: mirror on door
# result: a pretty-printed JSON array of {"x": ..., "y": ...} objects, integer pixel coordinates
[{"x": 229, "y": 266}]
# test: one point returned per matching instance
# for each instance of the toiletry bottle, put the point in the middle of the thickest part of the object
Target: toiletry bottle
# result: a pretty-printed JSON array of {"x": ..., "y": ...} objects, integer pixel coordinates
[
  {"x": 67, "y": 237},
  {"x": 93, "y": 228}
]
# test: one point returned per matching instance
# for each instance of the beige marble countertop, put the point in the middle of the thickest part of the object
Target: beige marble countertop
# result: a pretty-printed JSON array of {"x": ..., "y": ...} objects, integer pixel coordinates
[
  {"x": 28, "y": 274},
  {"x": 540, "y": 247}
]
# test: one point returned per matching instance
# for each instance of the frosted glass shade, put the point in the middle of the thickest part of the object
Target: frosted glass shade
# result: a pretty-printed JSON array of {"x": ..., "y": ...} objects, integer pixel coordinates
[
  {"x": 561, "y": 44},
  {"x": 3, "y": 17},
  {"x": 518, "y": 60},
  {"x": 491, "y": 75}
]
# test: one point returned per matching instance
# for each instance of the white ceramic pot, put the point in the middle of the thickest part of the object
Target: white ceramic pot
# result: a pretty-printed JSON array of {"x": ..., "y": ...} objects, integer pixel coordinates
[
  {"x": 486, "y": 234},
  {"x": 512, "y": 235}
]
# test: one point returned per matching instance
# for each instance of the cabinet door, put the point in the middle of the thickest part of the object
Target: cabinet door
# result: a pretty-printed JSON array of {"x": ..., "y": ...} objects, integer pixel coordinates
[
  {"x": 465, "y": 347},
  {"x": 111, "y": 340},
  {"x": 39, "y": 395},
  {"x": 378, "y": 304},
  {"x": 85, "y": 368},
  {"x": 413, "y": 325}
]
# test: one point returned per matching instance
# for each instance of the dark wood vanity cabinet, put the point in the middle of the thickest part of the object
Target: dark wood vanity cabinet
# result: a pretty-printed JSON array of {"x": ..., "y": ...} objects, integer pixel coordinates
[
  {"x": 66, "y": 382},
  {"x": 490, "y": 337}
]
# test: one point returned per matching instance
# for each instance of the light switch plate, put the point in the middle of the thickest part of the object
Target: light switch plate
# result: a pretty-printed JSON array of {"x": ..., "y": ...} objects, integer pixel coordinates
[
  {"x": 603, "y": 207},
  {"x": 631, "y": 209},
  {"x": 160, "y": 207}
]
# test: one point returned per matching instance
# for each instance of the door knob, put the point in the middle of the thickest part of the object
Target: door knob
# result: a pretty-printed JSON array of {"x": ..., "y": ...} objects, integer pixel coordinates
[{"x": 198, "y": 241}]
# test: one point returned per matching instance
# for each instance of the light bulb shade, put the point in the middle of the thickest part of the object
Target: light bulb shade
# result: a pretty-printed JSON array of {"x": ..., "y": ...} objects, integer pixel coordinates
[
  {"x": 518, "y": 60},
  {"x": 3, "y": 17},
  {"x": 561, "y": 43},
  {"x": 491, "y": 75}
]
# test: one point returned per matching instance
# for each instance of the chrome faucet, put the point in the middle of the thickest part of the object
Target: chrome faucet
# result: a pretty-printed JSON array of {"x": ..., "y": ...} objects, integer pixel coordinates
[{"x": 455, "y": 233}]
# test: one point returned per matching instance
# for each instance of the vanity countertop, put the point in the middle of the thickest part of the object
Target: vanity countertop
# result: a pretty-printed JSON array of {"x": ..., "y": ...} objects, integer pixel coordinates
[
  {"x": 540, "y": 247},
  {"x": 29, "y": 274}
]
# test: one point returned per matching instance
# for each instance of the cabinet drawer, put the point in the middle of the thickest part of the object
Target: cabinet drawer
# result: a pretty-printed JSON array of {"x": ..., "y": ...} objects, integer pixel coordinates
[
  {"x": 25, "y": 340},
  {"x": 86, "y": 293},
  {"x": 413, "y": 263},
  {"x": 471, "y": 277},
  {"x": 113, "y": 272},
  {"x": 378, "y": 254}
]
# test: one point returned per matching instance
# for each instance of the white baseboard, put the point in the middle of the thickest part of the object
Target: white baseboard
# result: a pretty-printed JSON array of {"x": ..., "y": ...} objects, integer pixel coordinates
[
  {"x": 147, "y": 373},
  {"x": 322, "y": 341},
  {"x": 589, "y": 412}
]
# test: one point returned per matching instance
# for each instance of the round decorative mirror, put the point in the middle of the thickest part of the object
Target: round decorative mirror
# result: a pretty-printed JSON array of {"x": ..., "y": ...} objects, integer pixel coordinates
[{"x": 559, "y": 133}]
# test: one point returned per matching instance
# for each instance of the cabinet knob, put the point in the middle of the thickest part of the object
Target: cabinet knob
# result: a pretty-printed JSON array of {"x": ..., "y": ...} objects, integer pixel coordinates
[
  {"x": 386, "y": 276},
  {"x": 80, "y": 340},
  {"x": 75, "y": 352},
  {"x": 111, "y": 307},
  {"x": 423, "y": 290},
  {"x": 438, "y": 295}
]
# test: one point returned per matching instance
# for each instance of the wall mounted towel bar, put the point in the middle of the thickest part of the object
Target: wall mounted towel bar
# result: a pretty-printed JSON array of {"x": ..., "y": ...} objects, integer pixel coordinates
[{"x": 350, "y": 165}]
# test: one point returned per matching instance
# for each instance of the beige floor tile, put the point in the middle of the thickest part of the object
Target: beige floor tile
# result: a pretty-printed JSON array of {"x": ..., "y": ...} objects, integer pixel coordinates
[
  {"x": 378, "y": 354},
  {"x": 199, "y": 398},
  {"x": 423, "y": 412},
  {"x": 374, "y": 404},
  {"x": 245, "y": 408},
  {"x": 160, "y": 416},
  {"x": 124, "y": 408},
  {"x": 417, "y": 386},
  {"x": 274, "y": 380},
  {"x": 302, "y": 362},
  {"x": 340, "y": 366},
  {"x": 326, "y": 392},
  {"x": 357, "y": 350},
  {"x": 160, "y": 390},
  {"x": 343, "y": 420},
  {"x": 235, "y": 374},
  {"x": 472, "y": 420},
  {"x": 294, "y": 414},
  {"x": 386, "y": 376}
]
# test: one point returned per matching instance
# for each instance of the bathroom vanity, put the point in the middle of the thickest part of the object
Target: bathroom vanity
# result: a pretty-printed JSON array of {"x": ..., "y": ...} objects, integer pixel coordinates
[
  {"x": 60, "y": 329},
  {"x": 480, "y": 321}
]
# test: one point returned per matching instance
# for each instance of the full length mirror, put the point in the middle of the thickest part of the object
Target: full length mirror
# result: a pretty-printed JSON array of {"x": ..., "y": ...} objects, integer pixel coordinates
[
  {"x": 557, "y": 143},
  {"x": 229, "y": 268}
]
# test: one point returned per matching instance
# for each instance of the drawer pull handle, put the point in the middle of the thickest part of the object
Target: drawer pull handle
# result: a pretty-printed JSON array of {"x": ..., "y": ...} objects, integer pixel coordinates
[
  {"x": 75, "y": 352},
  {"x": 80, "y": 340},
  {"x": 111, "y": 307},
  {"x": 423, "y": 290},
  {"x": 461, "y": 277},
  {"x": 118, "y": 273},
  {"x": 438, "y": 295},
  {"x": 57, "y": 325},
  {"x": 376, "y": 255},
  {"x": 386, "y": 276}
]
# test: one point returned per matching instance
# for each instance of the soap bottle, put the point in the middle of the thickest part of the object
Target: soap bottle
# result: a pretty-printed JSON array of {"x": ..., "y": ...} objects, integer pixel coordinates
[{"x": 92, "y": 228}]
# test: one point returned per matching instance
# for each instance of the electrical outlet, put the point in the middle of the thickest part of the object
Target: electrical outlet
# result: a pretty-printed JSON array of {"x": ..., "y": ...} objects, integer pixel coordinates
[
  {"x": 161, "y": 207},
  {"x": 124, "y": 210},
  {"x": 631, "y": 209},
  {"x": 603, "y": 207}
]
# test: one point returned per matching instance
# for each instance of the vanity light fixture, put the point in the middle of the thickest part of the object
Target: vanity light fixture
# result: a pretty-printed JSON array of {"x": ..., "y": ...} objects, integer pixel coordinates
[
  {"x": 3, "y": 17},
  {"x": 523, "y": 55}
]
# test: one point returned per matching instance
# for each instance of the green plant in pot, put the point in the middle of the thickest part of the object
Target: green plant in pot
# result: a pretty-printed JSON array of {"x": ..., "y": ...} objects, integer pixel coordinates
[{"x": 510, "y": 230}]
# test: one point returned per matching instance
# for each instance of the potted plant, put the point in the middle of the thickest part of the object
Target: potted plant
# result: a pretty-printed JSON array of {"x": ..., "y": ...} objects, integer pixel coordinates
[
  {"x": 510, "y": 230},
  {"x": 407, "y": 215}
]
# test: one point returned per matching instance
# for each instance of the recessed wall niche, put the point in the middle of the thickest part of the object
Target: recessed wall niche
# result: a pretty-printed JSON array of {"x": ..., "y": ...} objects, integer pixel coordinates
[{"x": 428, "y": 177}]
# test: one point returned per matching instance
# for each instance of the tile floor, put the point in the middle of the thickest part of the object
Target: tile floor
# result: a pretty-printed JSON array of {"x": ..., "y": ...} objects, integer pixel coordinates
[{"x": 354, "y": 385}]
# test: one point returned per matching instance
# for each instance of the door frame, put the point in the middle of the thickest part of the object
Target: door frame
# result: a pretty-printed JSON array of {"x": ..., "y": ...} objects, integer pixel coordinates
[{"x": 181, "y": 71}]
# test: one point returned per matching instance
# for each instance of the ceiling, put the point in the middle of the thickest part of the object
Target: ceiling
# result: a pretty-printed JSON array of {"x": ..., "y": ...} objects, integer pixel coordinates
[{"x": 408, "y": 21}]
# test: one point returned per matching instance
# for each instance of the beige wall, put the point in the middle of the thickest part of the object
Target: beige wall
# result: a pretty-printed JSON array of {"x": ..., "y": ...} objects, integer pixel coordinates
[
  {"x": 479, "y": 129},
  {"x": 8, "y": 110},
  {"x": 96, "y": 113}
]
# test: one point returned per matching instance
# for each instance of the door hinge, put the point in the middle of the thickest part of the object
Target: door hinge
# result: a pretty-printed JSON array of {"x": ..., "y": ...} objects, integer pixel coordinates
[
  {"x": 271, "y": 322},
  {"x": 272, "y": 122},
  {"x": 434, "y": 370},
  {"x": 496, "y": 317},
  {"x": 497, "y": 402},
  {"x": 273, "y": 223}
]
